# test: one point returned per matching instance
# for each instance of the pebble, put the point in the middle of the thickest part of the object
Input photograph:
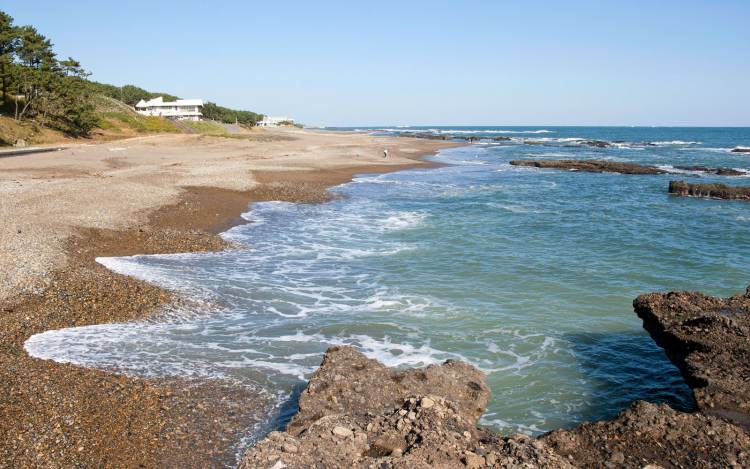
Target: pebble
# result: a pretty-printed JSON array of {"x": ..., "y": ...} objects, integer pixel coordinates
[
  {"x": 427, "y": 403},
  {"x": 342, "y": 432}
]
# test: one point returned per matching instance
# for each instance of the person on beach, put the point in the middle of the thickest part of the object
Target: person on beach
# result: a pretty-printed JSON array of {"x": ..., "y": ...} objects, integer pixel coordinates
[{"x": 385, "y": 153}]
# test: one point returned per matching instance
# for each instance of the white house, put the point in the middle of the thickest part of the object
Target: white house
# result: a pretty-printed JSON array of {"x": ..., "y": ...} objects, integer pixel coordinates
[
  {"x": 273, "y": 121},
  {"x": 182, "y": 109}
]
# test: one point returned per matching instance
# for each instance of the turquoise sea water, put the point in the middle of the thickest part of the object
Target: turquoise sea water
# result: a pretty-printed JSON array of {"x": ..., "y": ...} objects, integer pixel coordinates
[{"x": 528, "y": 274}]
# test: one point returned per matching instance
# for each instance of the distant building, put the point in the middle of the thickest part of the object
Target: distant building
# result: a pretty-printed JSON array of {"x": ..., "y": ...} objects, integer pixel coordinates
[
  {"x": 182, "y": 109},
  {"x": 275, "y": 121}
]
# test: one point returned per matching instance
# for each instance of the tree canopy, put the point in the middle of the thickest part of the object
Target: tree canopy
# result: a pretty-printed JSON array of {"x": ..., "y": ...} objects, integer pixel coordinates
[{"x": 37, "y": 85}]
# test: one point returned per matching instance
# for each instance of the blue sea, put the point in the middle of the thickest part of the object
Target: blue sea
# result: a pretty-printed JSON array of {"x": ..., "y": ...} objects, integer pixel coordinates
[{"x": 528, "y": 274}]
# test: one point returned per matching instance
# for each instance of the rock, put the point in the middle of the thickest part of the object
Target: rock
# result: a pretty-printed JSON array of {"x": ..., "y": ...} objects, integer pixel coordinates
[
  {"x": 713, "y": 191},
  {"x": 342, "y": 432},
  {"x": 473, "y": 460},
  {"x": 707, "y": 339},
  {"x": 640, "y": 435},
  {"x": 289, "y": 448},
  {"x": 617, "y": 457},
  {"x": 591, "y": 166},
  {"x": 717, "y": 171},
  {"x": 20, "y": 143},
  {"x": 741, "y": 150},
  {"x": 596, "y": 143},
  {"x": 401, "y": 422},
  {"x": 729, "y": 172}
]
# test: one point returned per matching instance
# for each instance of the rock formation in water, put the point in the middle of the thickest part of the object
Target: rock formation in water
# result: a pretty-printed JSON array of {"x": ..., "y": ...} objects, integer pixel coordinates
[
  {"x": 596, "y": 143},
  {"x": 356, "y": 412},
  {"x": 713, "y": 191},
  {"x": 717, "y": 171},
  {"x": 591, "y": 166},
  {"x": 741, "y": 150},
  {"x": 708, "y": 339},
  {"x": 603, "y": 166},
  {"x": 470, "y": 138}
]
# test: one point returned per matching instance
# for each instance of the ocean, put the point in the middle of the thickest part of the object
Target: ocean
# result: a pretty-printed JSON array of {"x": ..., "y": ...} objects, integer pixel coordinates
[{"x": 528, "y": 274}]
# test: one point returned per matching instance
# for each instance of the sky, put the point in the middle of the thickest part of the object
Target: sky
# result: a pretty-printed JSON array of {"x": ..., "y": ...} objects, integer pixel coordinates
[{"x": 349, "y": 63}]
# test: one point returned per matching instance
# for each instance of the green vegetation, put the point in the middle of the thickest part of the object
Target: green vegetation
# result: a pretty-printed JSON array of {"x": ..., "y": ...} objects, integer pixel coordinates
[
  {"x": 36, "y": 85},
  {"x": 128, "y": 94},
  {"x": 44, "y": 94},
  {"x": 115, "y": 120},
  {"x": 230, "y": 116},
  {"x": 204, "y": 127}
]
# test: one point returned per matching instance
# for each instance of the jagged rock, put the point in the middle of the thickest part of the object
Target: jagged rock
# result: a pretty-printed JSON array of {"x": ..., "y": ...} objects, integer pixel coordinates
[
  {"x": 714, "y": 191},
  {"x": 592, "y": 166},
  {"x": 741, "y": 150},
  {"x": 372, "y": 416},
  {"x": 717, "y": 171},
  {"x": 708, "y": 339},
  {"x": 653, "y": 435}
]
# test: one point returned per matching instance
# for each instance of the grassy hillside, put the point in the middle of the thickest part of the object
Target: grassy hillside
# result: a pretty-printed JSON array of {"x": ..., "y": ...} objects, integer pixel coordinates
[
  {"x": 115, "y": 120},
  {"x": 12, "y": 130}
]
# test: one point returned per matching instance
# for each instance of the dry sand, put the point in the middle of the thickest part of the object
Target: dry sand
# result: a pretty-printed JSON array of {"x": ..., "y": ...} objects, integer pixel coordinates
[
  {"x": 45, "y": 197},
  {"x": 167, "y": 193}
]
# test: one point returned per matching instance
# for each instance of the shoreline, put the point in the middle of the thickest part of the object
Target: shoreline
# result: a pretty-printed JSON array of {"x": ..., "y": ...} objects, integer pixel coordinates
[{"x": 69, "y": 415}]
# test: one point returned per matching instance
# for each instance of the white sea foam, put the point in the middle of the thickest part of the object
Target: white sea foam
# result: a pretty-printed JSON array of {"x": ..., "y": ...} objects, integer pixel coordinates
[{"x": 674, "y": 142}]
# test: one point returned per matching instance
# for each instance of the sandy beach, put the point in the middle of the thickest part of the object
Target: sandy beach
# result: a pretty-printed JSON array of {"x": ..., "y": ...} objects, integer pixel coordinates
[{"x": 156, "y": 194}]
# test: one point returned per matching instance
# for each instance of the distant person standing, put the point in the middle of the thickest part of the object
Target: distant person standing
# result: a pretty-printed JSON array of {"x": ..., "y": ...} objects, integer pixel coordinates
[{"x": 385, "y": 153}]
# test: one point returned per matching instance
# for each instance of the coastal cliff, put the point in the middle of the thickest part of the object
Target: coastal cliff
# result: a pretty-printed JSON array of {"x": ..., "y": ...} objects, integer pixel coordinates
[{"x": 356, "y": 412}]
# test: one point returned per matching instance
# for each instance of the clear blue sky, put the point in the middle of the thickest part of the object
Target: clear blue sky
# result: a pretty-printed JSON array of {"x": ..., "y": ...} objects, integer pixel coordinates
[{"x": 602, "y": 62}]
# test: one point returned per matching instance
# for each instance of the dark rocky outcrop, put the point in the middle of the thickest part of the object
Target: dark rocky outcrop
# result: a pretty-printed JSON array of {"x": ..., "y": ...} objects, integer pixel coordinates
[
  {"x": 741, "y": 150},
  {"x": 714, "y": 191},
  {"x": 708, "y": 339},
  {"x": 469, "y": 138},
  {"x": 428, "y": 136},
  {"x": 591, "y": 166},
  {"x": 356, "y": 412},
  {"x": 717, "y": 171},
  {"x": 596, "y": 143}
]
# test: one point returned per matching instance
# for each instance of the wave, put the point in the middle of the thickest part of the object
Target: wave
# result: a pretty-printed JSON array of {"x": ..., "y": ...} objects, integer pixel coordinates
[{"x": 674, "y": 142}]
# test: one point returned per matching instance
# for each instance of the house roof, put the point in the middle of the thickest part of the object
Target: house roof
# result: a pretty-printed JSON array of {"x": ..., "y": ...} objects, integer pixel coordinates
[{"x": 156, "y": 102}]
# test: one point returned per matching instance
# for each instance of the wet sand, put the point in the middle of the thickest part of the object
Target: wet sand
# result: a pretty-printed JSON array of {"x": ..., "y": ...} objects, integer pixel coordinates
[{"x": 158, "y": 194}]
